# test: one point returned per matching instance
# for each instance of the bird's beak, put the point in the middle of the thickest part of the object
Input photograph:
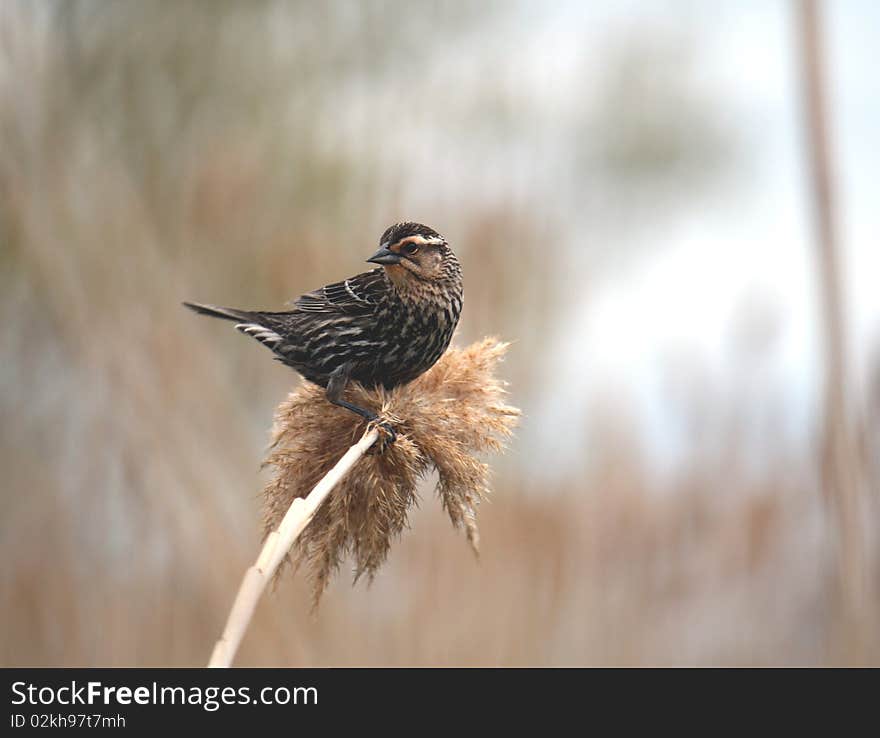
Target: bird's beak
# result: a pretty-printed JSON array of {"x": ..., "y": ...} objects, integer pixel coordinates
[{"x": 385, "y": 257}]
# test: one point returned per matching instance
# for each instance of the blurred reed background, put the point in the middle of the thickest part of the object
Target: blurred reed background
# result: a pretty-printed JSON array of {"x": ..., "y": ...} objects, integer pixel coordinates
[{"x": 630, "y": 190}]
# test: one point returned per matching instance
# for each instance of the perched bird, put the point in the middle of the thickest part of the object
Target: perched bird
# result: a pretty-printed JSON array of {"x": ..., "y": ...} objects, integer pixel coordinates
[{"x": 383, "y": 327}]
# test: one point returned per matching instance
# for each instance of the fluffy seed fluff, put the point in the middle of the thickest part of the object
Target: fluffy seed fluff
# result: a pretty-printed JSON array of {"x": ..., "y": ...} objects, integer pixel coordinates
[{"x": 444, "y": 419}]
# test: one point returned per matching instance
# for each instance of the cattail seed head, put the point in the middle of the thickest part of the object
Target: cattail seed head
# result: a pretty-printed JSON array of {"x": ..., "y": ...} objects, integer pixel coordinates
[{"x": 444, "y": 420}]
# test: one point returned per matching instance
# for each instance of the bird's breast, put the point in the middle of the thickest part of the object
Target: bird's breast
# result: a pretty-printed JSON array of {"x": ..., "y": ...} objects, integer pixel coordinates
[{"x": 415, "y": 339}]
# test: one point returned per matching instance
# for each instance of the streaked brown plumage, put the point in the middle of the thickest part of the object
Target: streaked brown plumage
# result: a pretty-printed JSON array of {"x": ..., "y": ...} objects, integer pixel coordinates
[{"x": 383, "y": 327}]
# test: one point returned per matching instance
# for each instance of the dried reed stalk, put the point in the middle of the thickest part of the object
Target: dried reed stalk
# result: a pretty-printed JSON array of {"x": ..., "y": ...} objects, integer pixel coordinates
[
  {"x": 275, "y": 548},
  {"x": 840, "y": 457},
  {"x": 444, "y": 419}
]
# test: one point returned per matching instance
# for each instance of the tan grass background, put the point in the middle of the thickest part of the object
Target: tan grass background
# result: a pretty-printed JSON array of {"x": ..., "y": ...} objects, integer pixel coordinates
[{"x": 244, "y": 153}]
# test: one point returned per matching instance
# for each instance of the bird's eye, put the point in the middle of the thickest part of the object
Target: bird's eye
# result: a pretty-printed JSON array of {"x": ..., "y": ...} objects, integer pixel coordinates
[{"x": 410, "y": 248}]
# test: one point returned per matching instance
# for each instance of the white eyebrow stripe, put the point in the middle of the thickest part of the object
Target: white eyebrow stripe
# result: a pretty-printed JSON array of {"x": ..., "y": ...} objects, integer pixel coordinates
[{"x": 421, "y": 240}]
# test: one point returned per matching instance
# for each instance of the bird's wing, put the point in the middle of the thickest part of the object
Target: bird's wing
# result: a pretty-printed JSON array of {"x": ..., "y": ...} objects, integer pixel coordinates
[{"x": 356, "y": 295}]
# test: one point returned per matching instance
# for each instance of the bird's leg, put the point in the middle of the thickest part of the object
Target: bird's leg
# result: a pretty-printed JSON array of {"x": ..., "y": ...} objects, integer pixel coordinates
[{"x": 335, "y": 388}]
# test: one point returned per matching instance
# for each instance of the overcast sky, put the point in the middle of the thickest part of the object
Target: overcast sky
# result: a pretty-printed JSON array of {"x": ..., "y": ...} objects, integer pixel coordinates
[{"x": 747, "y": 254}]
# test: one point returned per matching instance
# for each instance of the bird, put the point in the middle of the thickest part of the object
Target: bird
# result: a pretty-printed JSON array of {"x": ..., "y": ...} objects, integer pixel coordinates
[{"x": 381, "y": 328}]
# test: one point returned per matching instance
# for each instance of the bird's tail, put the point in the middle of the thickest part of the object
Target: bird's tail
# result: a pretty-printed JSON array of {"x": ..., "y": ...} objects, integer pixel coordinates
[
  {"x": 261, "y": 326},
  {"x": 239, "y": 316}
]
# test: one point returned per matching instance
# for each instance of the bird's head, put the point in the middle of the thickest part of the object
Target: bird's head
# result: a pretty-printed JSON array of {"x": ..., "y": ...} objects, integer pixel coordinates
[{"x": 412, "y": 253}]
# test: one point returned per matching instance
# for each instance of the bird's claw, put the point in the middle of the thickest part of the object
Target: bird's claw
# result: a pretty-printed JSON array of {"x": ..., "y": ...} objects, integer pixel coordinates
[{"x": 387, "y": 436}]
